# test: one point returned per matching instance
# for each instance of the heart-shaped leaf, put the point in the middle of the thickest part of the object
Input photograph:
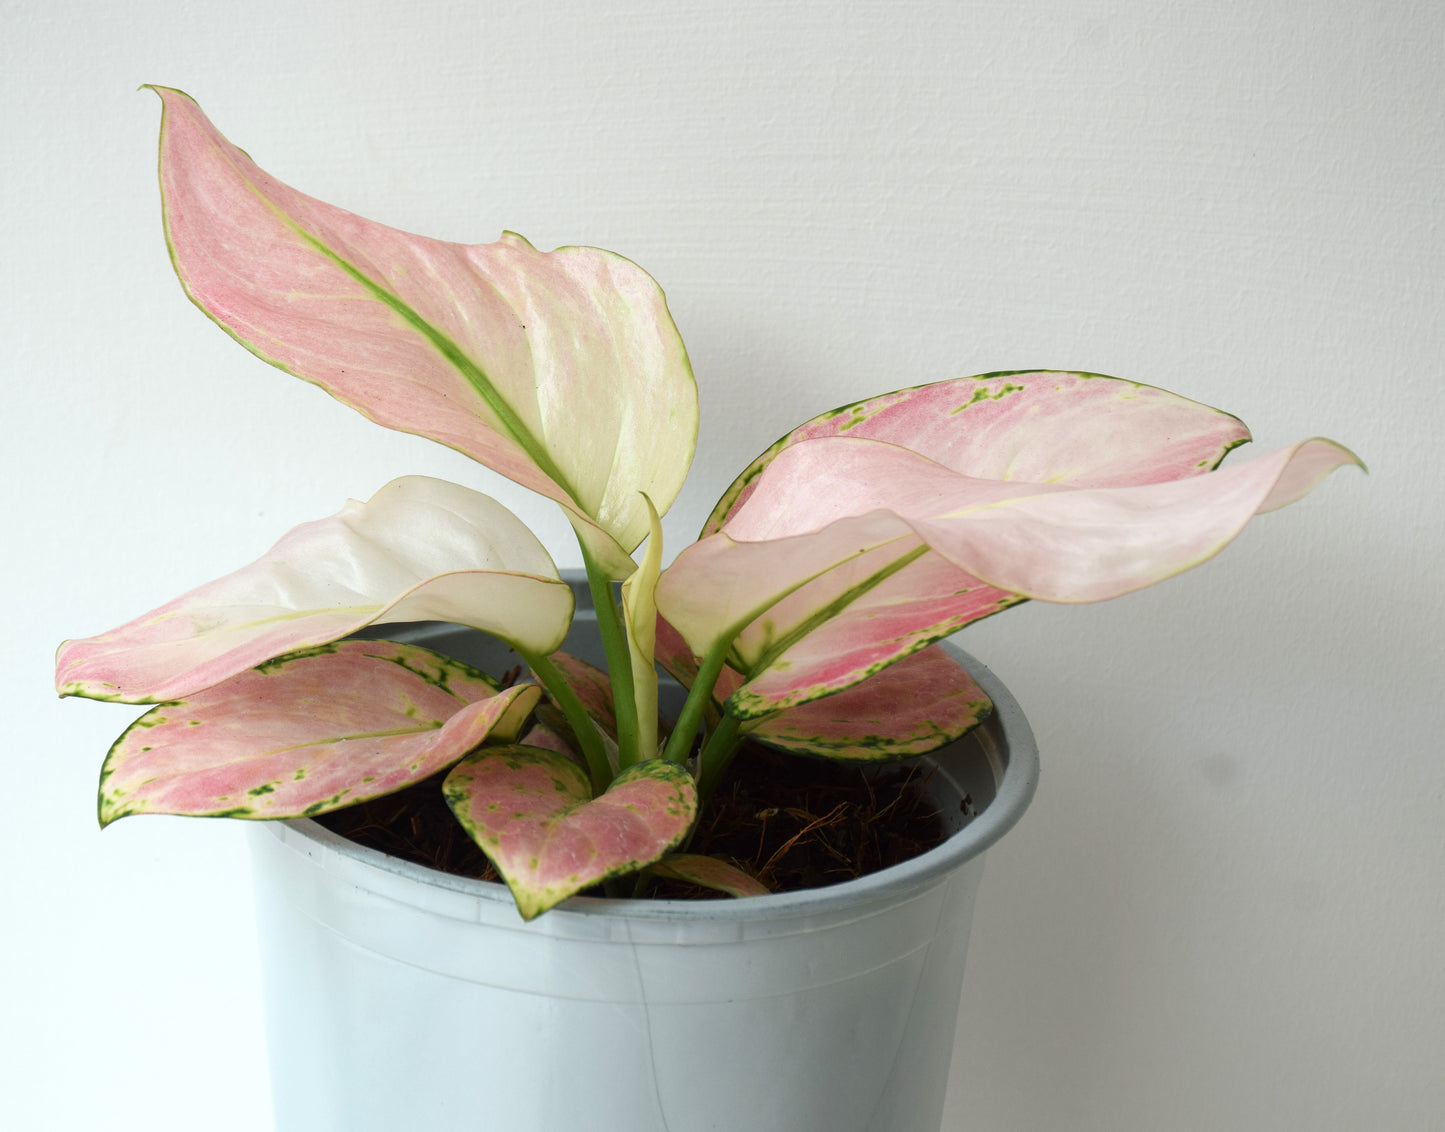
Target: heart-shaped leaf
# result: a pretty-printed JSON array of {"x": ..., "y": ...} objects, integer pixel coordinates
[
  {"x": 421, "y": 550},
  {"x": 709, "y": 872},
  {"x": 308, "y": 733},
  {"x": 561, "y": 370},
  {"x": 532, "y": 813}
]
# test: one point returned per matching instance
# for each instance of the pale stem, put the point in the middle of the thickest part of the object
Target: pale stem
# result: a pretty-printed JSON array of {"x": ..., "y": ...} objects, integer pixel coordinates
[{"x": 699, "y": 696}]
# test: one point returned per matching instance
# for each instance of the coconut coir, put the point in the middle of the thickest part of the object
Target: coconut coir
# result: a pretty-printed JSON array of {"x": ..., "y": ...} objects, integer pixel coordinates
[{"x": 792, "y": 822}]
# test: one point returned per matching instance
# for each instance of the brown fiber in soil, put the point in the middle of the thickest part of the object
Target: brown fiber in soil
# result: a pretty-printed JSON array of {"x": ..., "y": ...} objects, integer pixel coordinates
[{"x": 791, "y": 822}]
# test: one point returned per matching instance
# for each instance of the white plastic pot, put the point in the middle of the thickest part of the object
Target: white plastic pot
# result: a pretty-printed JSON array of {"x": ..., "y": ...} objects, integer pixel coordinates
[{"x": 400, "y": 998}]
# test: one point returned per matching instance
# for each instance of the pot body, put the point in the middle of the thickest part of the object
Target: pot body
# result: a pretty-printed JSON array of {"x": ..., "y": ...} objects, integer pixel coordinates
[{"x": 398, "y": 997}]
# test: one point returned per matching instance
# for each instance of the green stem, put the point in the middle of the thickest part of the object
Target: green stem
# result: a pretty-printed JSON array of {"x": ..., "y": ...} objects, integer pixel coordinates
[
  {"x": 699, "y": 696},
  {"x": 619, "y": 658},
  {"x": 826, "y": 613},
  {"x": 588, "y": 738},
  {"x": 717, "y": 756}
]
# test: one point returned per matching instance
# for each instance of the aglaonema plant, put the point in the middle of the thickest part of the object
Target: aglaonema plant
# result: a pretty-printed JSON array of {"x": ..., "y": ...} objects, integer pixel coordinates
[{"x": 805, "y": 616}]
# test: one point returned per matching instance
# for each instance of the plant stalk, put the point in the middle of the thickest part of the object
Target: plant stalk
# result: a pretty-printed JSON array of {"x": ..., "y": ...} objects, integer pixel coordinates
[
  {"x": 619, "y": 658},
  {"x": 588, "y": 738}
]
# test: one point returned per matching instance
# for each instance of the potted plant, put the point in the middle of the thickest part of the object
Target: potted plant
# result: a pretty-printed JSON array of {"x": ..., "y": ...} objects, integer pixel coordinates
[{"x": 806, "y": 617}]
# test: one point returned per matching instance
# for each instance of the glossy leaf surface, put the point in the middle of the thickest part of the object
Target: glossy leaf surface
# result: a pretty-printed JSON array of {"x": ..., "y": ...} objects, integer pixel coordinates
[
  {"x": 532, "y": 813},
  {"x": 561, "y": 370},
  {"x": 420, "y": 550},
  {"x": 308, "y": 733}
]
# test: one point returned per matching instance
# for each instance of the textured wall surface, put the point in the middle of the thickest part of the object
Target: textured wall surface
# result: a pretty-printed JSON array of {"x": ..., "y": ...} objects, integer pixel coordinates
[{"x": 1225, "y": 908}]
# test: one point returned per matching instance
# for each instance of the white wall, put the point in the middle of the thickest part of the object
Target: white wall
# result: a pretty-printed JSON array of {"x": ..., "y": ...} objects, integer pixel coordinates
[{"x": 1224, "y": 910}]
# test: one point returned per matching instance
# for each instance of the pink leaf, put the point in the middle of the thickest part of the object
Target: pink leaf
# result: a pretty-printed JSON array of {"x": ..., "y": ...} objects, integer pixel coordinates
[
  {"x": 709, "y": 872},
  {"x": 834, "y": 519},
  {"x": 420, "y": 550},
  {"x": 908, "y": 708},
  {"x": 561, "y": 370},
  {"x": 307, "y": 733},
  {"x": 1043, "y": 427},
  {"x": 592, "y": 687},
  {"x": 1040, "y": 426},
  {"x": 532, "y": 813}
]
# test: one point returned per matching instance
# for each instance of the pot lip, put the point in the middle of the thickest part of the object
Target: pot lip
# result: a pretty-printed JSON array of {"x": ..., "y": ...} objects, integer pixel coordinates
[{"x": 1015, "y": 790}]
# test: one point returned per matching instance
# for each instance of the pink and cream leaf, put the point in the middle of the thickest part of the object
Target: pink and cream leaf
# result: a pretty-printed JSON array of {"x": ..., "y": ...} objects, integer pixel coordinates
[
  {"x": 420, "y": 550},
  {"x": 709, "y": 872},
  {"x": 532, "y": 812},
  {"x": 307, "y": 733},
  {"x": 561, "y": 370},
  {"x": 1040, "y": 426},
  {"x": 845, "y": 515}
]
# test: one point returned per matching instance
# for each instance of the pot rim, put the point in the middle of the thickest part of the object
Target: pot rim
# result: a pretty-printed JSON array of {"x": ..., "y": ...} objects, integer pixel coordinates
[{"x": 1006, "y": 727}]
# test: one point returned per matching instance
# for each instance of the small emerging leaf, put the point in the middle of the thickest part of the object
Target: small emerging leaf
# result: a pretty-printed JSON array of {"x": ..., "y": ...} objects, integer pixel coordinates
[
  {"x": 709, "y": 872},
  {"x": 532, "y": 813},
  {"x": 639, "y": 605},
  {"x": 308, "y": 733}
]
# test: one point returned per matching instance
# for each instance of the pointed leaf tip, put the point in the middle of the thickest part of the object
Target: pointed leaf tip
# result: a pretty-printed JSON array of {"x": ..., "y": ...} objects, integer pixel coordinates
[
  {"x": 473, "y": 346},
  {"x": 421, "y": 549}
]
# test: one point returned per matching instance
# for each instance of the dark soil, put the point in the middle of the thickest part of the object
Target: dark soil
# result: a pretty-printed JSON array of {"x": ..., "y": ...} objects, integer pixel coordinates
[{"x": 792, "y": 822}]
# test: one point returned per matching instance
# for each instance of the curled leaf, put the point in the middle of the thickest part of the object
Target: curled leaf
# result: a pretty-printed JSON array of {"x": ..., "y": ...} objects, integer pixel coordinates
[
  {"x": 421, "y": 550},
  {"x": 639, "y": 606},
  {"x": 832, "y": 520},
  {"x": 561, "y": 370}
]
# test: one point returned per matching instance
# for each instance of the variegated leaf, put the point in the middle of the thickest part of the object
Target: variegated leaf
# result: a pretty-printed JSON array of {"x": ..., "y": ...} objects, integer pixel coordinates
[
  {"x": 561, "y": 370},
  {"x": 709, "y": 872},
  {"x": 533, "y": 814},
  {"x": 592, "y": 688},
  {"x": 846, "y": 514},
  {"x": 308, "y": 733},
  {"x": 422, "y": 549},
  {"x": 909, "y": 707},
  {"x": 1041, "y": 426}
]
